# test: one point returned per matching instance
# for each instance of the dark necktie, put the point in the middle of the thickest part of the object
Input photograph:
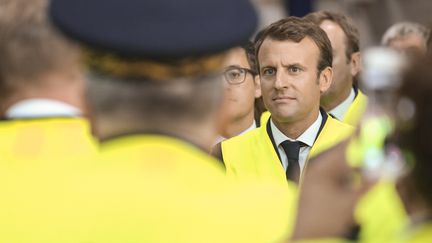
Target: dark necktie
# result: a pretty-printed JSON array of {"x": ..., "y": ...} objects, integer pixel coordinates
[{"x": 292, "y": 150}]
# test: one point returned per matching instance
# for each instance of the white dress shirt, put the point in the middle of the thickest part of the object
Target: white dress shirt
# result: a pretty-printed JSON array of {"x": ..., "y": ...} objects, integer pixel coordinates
[
  {"x": 39, "y": 108},
  {"x": 340, "y": 110},
  {"x": 307, "y": 137}
]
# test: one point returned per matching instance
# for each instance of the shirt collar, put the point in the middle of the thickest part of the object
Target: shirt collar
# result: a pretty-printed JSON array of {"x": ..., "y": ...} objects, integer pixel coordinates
[
  {"x": 307, "y": 137},
  {"x": 340, "y": 110},
  {"x": 221, "y": 138},
  {"x": 252, "y": 127},
  {"x": 39, "y": 108}
]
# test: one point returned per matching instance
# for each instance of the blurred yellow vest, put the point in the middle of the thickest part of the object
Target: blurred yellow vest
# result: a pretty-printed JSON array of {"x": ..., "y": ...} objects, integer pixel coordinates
[
  {"x": 416, "y": 234},
  {"x": 380, "y": 213},
  {"x": 143, "y": 188},
  {"x": 45, "y": 139},
  {"x": 191, "y": 194}
]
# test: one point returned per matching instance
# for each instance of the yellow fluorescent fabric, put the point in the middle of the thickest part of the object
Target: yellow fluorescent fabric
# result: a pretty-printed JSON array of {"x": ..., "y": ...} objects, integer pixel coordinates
[
  {"x": 323, "y": 240},
  {"x": 356, "y": 109},
  {"x": 264, "y": 117},
  {"x": 252, "y": 155},
  {"x": 380, "y": 213},
  {"x": 420, "y": 233},
  {"x": 141, "y": 189},
  {"x": 46, "y": 139}
]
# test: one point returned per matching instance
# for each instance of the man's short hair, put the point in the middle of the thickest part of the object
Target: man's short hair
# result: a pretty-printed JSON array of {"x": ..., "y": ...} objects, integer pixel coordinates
[
  {"x": 153, "y": 103},
  {"x": 351, "y": 32},
  {"x": 29, "y": 46},
  {"x": 296, "y": 29},
  {"x": 403, "y": 29},
  {"x": 249, "y": 48}
]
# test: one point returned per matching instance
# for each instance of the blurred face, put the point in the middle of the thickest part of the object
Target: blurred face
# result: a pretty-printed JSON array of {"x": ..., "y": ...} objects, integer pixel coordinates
[
  {"x": 411, "y": 44},
  {"x": 290, "y": 83},
  {"x": 240, "y": 86},
  {"x": 342, "y": 70}
]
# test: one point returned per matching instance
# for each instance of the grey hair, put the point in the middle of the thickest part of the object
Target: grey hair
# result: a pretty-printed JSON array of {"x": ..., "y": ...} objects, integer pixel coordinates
[{"x": 402, "y": 29}]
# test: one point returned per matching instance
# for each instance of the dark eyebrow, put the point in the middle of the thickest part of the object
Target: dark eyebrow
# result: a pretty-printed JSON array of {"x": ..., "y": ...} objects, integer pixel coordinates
[
  {"x": 267, "y": 67},
  {"x": 233, "y": 66},
  {"x": 296, "y": 65}
]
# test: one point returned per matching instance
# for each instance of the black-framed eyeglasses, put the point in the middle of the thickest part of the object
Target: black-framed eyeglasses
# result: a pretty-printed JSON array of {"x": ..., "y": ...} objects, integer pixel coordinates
[{"x": 237, "y": 75}]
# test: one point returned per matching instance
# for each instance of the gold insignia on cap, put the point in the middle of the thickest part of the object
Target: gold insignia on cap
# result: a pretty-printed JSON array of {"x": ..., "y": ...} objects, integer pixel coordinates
[{"x": 126, "y": 67}]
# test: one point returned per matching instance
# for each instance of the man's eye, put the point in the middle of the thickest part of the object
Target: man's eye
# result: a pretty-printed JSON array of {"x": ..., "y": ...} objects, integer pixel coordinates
[
  {"x": 233, "y": 74},
  {"x": 269, "y": 72},
  {"x": 294, "y": 69}
]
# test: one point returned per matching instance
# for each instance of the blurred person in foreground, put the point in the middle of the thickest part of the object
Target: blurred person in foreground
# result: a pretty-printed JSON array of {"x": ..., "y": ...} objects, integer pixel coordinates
[
  {"x": 42, "y": 103},
  {"x": 412, "y": 135},
  {"x": 328, "y": 197},
  {"x": 379, "y": 214},
  {"x": 343, "y": 99},
  {"x": 154, "y": 87}
]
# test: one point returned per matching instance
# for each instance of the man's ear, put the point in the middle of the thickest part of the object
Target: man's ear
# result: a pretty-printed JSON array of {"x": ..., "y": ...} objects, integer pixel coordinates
[
  {"x": 356, "y": 64},
  {"x": 325, "y": 79},
  {"x": 257, "y": 83}
]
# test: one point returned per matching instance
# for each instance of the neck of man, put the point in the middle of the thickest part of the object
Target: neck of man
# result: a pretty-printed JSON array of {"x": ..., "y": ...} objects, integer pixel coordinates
[
  {"x": 199, "y": 133},
  {"x": 66, "y": 88},
  {"x": 330, "y": 101},
  {"x": 238, "y": 125},
  {"x": 293, "y": 129}
]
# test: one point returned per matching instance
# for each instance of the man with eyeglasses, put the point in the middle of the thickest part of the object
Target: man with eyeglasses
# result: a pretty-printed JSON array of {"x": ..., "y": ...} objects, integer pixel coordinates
[
  {"x": 294, "y": 60},
  {"x": 241, "y": 89}
]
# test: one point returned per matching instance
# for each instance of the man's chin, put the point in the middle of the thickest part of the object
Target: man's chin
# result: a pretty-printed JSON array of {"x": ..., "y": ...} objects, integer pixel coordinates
[{"x": 284, "y": 117}]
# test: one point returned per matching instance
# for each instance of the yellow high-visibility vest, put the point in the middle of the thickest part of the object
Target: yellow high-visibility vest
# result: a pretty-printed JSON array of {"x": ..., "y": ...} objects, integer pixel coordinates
[
  {"x": 253, "y": 155},
  {"x": 45, "y": 139},
  {"x": 142, "y": 188},
  {"x": 380, "y": 213},
  {"x": 416, "y": 234},
  {"x": 356, "y": 109}
]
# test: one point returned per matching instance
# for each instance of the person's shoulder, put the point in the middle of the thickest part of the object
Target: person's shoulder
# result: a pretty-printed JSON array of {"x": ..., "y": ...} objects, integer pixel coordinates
[{"x": 58, "y": 137}]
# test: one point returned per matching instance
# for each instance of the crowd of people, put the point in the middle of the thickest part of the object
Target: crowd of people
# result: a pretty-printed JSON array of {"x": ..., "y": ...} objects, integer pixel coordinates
[{"x": 170, "y": 121}]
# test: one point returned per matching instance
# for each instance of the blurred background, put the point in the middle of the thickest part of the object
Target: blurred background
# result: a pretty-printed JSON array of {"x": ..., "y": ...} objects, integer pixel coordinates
[{"x": 372, "y": 17}]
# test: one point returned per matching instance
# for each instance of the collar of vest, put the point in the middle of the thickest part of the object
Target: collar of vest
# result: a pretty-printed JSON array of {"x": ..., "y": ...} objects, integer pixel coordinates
[
  {"x": 112, "y": 139},
  {"x": 324, "y": 116},
  {"x": 356, "y": 91}
]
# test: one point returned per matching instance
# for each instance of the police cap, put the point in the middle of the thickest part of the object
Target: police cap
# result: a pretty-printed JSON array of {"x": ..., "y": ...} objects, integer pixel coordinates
[{"x": 156, "y": 29}]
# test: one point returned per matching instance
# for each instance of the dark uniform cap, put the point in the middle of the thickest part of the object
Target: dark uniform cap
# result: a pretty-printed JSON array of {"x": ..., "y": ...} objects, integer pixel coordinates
[{"x": 156, "y": 29}]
